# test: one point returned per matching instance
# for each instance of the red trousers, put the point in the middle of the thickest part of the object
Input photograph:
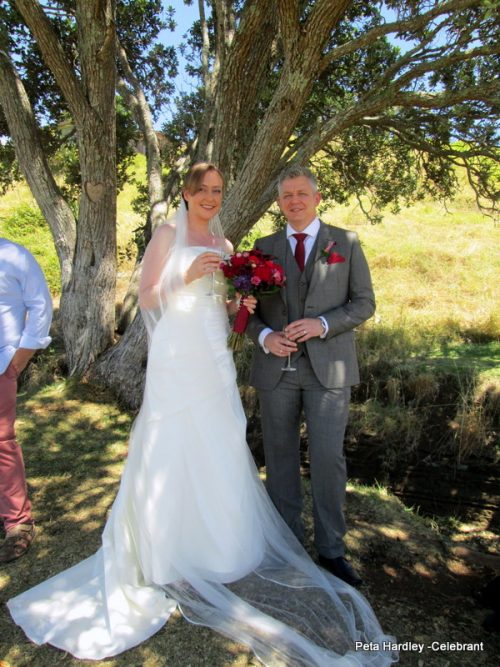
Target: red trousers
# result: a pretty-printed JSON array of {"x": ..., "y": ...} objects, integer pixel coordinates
[{"x": 15, "y": 507}]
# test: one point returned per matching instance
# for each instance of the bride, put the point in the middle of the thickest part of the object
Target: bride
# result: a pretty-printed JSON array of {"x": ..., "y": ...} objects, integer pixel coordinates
[{"x": 192, "y": 526}]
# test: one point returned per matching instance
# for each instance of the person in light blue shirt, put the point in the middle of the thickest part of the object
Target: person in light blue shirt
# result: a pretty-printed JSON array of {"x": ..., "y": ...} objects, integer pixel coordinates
[{"x": 25, "y": 317}]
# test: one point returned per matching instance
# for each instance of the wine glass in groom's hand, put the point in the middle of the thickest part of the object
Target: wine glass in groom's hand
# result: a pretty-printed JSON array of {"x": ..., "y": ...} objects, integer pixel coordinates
[{"x": 288, "y": 366}]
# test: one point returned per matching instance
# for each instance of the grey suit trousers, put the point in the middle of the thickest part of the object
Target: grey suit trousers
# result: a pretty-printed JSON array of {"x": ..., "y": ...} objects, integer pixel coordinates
[{"x": 326, "y": 413}]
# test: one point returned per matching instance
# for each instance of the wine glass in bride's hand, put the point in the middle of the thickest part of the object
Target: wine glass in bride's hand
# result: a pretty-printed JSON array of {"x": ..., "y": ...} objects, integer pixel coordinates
[
  {"x": 288, "y": 366},
  {"x": 217, "y": 246}
]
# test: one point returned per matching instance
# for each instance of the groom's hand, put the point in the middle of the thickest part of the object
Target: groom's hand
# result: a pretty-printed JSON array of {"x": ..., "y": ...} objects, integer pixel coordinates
[
  {"x": 302, "y": 330},
  {"x": 277, "y": 343}
]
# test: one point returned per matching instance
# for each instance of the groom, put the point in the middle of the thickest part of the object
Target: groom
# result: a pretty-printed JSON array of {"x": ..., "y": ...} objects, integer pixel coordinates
[{"x": 328, "y": 293}]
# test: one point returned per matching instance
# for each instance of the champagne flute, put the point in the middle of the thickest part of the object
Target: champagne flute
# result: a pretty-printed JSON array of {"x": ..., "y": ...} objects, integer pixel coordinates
[
  {"x": 217, "y": 246},
  {"x": 288, "y": 366}
]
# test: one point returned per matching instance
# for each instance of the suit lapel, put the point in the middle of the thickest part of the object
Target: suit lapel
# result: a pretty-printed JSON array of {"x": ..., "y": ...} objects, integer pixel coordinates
[
  {"x": 325, "y": 234},
  {"x": 279, "y": 251}
]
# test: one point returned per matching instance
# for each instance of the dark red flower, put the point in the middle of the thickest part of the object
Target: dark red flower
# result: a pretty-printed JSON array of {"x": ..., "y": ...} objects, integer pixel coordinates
[{"x": 335, "y": 258}]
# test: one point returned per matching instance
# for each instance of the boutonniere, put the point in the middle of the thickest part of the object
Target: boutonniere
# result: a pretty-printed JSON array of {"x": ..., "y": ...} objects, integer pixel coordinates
[{"x": 332, "y": 257}]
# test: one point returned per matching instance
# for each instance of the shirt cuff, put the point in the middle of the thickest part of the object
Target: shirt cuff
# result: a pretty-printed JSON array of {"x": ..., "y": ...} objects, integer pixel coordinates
[
  {"x": 262, "y": 337},
  {"x": 325, "y": 325},
  {"x": 31, "y": 343}
]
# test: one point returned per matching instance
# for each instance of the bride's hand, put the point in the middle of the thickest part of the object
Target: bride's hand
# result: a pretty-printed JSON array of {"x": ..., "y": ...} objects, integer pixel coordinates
[
  {"x": 250, "y": 303},
  {"x": 203, "y": 265}
]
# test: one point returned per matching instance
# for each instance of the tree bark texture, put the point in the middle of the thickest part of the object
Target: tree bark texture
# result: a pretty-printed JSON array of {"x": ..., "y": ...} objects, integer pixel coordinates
[
  {"x": 31, "y": 157},
  {"x": 122, "y": 368},
  {"x": 303, "y": 52},
  {"x": 131, "y": 89},
  {"x": 271, "y": 59},
  {"x": 88, "y": 302}
]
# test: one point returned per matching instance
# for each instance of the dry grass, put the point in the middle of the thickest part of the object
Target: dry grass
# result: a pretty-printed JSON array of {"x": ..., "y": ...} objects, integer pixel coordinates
[{"x": 433, "y": 267}]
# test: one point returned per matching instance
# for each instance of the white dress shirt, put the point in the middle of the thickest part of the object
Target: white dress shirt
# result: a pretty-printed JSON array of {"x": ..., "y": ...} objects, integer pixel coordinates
[
  {"x": 25, "y": 303},
  {"x": 311, "y": 230}
]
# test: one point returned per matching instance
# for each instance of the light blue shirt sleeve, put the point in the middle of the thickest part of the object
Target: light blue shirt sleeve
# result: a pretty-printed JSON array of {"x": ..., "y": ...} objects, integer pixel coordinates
[
  {"x": 38, "y": 303},
  {"x": 25, "y": 303}
]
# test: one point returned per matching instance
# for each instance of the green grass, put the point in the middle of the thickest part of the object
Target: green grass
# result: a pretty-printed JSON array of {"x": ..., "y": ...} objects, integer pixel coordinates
[
  {"x": 21, "y": 221},
  {"x": 26, "y": 225},
  {"x": 434, "y": 271},
  {"x": 483, "y": 357}
]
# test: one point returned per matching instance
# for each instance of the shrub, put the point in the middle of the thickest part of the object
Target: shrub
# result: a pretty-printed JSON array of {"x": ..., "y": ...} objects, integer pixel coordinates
[{"x": 27, "y": 226}]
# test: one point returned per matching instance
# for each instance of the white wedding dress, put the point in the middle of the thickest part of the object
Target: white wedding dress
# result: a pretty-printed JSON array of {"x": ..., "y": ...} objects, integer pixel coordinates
[{"x": 192, "y": 526}]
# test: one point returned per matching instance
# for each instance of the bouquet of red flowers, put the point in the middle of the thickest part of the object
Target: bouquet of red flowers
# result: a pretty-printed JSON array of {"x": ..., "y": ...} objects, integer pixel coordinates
[{"x": 250, "y": 272}]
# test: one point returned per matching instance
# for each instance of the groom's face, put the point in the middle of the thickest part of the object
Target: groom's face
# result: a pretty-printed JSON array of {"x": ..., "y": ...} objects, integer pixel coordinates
[{"x": 298, "y": 201}]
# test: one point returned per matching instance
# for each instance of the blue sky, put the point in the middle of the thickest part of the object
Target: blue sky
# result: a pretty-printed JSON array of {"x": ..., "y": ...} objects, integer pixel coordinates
[{"x": 184, "y": 18}]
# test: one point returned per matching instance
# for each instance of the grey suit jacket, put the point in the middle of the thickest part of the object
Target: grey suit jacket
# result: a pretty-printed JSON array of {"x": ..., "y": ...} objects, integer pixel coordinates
[{"x": 341, "y": 292}]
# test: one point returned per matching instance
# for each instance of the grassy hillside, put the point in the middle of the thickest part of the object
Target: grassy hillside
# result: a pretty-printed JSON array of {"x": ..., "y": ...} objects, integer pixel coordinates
[
  {"x": 21, "y": 221},
  {"x": 430, "y": 355}
]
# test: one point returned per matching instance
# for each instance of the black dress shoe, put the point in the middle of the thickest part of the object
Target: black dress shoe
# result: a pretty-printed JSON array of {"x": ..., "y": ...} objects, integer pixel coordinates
[{"x": 342, "y": 569}]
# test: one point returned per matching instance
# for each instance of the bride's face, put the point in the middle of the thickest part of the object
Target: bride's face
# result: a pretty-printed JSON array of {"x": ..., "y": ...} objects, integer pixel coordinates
[{"x": 207, "y": 200}]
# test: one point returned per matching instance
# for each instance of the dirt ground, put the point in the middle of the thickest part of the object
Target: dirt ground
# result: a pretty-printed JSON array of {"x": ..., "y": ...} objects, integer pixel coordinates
[{"x": 421, "y": 586}]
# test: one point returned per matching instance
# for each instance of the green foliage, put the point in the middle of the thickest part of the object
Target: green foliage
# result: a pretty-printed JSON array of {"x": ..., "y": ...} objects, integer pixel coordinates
[
  {"x": 27, "y": 227},
  {"x": 381, "y": 170},
  {"x": 420, "y": 405},
  {"x": 9, "y": 168},
  {"x": 65, "y": 159},
  {"x": 260, "y": 229},
  {"x": 139, "y": 23}
]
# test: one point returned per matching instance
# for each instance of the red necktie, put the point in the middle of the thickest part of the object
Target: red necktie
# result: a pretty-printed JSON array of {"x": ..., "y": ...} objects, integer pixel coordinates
[{"x": 300, "y": 250}]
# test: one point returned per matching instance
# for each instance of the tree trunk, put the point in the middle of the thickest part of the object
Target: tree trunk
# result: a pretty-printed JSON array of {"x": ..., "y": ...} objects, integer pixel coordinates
[
  {"x": 122, "y": 368},
  {"x": 303, "y": 52},
  {"x": 133, "y": 94},
  {"x": 88, "y": 298},
  {"x": 89, "y": 314},
  {"x": 31, "y": 157}
]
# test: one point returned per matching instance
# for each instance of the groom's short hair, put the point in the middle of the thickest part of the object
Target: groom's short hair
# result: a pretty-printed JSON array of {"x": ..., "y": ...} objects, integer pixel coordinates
[{"x": 296, "y": 171}]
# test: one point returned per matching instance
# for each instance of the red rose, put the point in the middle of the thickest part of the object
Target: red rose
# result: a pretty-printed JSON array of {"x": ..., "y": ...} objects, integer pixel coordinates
[
  {"x": 239, "y": 259},
  {"x": 265, "y": 273}
]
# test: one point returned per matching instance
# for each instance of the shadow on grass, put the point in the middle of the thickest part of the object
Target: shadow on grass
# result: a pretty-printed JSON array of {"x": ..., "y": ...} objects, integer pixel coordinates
[{"x": 75, "y": 442}]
